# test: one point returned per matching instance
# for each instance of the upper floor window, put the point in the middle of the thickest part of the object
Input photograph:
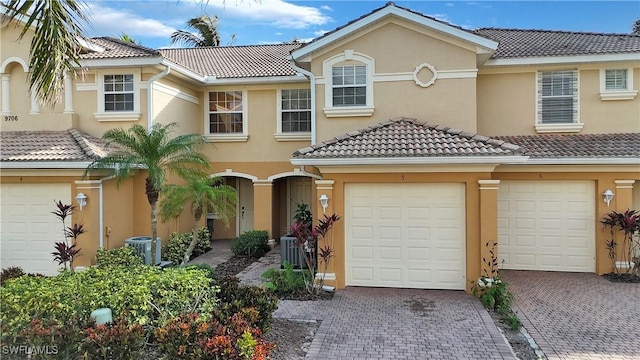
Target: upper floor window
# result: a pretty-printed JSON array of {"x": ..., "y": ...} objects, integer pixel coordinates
[
  {"x": 348, "y": 79},
  {"x": 118, "y": 92},
  {"x": 294, "y": 115},
  {"x": 558, "y": 101},
  {"x": 617, "y": 84},
  {"x": 296, "y": 110},
  {"x": 349, "y": 85},
  {"x": 118, "y": 95},
  {"x": 227, "y": 116}
]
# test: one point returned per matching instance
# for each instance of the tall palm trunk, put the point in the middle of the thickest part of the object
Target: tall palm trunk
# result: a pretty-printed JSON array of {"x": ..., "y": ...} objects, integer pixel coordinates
[
  {"x": 152, "y": 197},
  {"x": 194, "y": 238}
]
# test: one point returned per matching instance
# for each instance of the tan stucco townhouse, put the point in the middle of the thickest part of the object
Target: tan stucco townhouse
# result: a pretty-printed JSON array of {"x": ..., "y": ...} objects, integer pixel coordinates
[{"x": 429, "y": 140}]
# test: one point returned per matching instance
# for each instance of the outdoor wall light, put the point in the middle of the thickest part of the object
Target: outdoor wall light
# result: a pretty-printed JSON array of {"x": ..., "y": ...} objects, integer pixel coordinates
[
  {"x": 82, "y": 200},
  {"x": 608, "y": 196},
  {"x": 324, "y": 201}
]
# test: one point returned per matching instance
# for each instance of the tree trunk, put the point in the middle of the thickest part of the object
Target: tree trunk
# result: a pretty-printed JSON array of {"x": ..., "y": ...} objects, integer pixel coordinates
[
  {"x": 194, "y": 240},
  {"x": 152, "y": 196}
]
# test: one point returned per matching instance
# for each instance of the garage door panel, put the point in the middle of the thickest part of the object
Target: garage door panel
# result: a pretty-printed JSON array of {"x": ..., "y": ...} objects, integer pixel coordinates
[
  {"x": 424, "y": 222},
  {"x": 362, "y": 252},
  {"x": 553, "y": 225},
  {"x": 28, "y": 229}
]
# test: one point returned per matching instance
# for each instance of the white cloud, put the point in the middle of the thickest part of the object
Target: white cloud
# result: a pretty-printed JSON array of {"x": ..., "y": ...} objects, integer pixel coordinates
[
  {"x": 326, "y": 8},
  {"x": 108, "y": 21},
  {"x": 320, "y": 32}
]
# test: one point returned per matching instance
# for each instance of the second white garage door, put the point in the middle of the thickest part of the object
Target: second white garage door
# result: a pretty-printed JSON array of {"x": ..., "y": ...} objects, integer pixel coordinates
[
  {"x": 547, "y": 225},
  {"x": 28, "y": 229},
  {"x": 405, "y": 235}
]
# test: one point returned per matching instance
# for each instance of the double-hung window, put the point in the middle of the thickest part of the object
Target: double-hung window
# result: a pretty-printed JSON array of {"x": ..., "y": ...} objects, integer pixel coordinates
[
  {"x": 349, "y": 85},
  {"x": 225, "y": 112},
  {"x": 296, "y": 110},
  {"x": 118, "y": 92},
  {"x": 617, "y": 84},
  {"x": 558, "y": 101}
]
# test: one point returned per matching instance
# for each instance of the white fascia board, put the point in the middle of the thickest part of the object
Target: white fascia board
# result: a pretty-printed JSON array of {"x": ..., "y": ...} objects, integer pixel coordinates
[
  {"x": 476, "y": 160},
  {"x": 43, "y": 165},
  {"x": 583, "y": 161},
  {"x": 258, "y": 80},
  {"x": 106, "y": 63},
  {"x": 392, "y": 10},
  {"x": 550, "y": 60}
]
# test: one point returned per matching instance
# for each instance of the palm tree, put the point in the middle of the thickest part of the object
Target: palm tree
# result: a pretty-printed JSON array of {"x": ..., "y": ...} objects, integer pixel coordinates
[
  {"x": 55, "y": 45},
  {"x": 156, "y": 152},
  {"x": 124, "y": 37},
  {"x": 205, "y": 196},
  {"x": 207, "y": 32}
]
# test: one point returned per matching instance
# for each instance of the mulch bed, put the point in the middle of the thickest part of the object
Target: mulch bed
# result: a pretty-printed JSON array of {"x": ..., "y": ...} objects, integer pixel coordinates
[
  {"x": 234, "y": 265},
  {"x": 622, "y": 278}
]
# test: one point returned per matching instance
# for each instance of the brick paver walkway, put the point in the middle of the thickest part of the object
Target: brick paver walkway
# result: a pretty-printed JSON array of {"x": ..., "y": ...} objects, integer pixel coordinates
[{"x": 578, "y": 316}]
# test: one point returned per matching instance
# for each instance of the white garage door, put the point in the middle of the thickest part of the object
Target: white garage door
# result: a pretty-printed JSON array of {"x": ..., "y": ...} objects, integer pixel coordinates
[
  {"x": 405, "y": 235},
  {"x": 28, "y": 229},
  {"x": 547, "y": 225}
]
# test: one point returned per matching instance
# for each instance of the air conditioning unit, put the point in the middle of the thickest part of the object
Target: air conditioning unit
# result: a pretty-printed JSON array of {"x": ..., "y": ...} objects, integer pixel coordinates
[
  {"x": 291, "y": 253},
  {"x": 142, "y": 244}
]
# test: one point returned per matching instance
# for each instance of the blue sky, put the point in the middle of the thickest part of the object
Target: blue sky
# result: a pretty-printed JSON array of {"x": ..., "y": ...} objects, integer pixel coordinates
[{"x": 151, "y": 22}]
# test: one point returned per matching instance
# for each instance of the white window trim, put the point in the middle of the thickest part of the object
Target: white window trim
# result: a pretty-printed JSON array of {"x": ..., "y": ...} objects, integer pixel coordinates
[
  {"x": 134, "y": 115},
  {"x": 628, "y": 94},
  {"x": 287, "y": 136},
  {"x": 342, "y": 111},
  {"x": 233, "y": 137},
  {"x": 576, "y": 126}
]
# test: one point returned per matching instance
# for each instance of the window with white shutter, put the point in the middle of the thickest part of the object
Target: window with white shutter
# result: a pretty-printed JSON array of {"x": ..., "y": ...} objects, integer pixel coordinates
[
  {"x": 617, "y": 84},
  {"x": 558, "y": 101}
]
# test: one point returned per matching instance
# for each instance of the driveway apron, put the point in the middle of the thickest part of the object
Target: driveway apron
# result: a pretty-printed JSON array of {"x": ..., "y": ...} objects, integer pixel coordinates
[
  {"x": 578, "y": 315},
  {"x": 381, "y": 323}
]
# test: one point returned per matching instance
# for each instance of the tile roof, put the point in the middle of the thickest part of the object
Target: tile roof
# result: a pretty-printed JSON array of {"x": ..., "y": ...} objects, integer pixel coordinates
[
  {"x": 117, "y": 49},
  {"x": 578, "y": 146},
  {"x": 68, "y": 145},
  {"x": 405, "y": 137},
  {"x": 516, "y": 43},
  {"x": 235, "y": 61}
]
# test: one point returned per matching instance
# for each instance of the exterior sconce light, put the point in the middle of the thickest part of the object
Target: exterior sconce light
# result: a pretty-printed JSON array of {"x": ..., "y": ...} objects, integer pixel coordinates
[
  {"x": 82, "y": 200},
  {"x": 608, "y": 196},
  {"x": 324, "y": 201}
]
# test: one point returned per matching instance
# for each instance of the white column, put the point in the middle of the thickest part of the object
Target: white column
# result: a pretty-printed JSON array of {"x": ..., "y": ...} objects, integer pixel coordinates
[
  {"x": 5, "y": 95},
  {"x": 68, "y": 94},
  {"x": 35, "y": 104}
]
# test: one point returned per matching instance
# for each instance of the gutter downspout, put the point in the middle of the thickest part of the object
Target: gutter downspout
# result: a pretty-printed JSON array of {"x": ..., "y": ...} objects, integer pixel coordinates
[
  {"x": 312, "y": 78},
  {"x": 150, "y": 95}
]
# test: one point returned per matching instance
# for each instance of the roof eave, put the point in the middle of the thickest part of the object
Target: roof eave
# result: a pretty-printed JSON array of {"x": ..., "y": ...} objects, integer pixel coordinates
[
  {"x": 121, "y": 62},
  {"x": 440, "y": 160},
  {"x": 569, "y": 59},
  {"x": 480, "y": 42},
  {"x": 583, "y": 161},
  {"x": 44, "y": 164}
]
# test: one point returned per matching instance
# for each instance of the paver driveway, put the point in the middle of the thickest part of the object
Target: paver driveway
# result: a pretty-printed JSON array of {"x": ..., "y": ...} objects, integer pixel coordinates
[
  {"x": 376, "y": 323},
  {"x": 576, "y": 315}
]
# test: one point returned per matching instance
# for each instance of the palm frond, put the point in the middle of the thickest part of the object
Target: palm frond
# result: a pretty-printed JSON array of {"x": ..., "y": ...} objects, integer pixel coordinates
[{"x": 55, "y": 46}]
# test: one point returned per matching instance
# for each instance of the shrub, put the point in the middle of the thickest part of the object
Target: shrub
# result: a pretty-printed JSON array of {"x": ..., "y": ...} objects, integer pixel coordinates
[
  {"x": 208, "y": 269},
  {"x": 114, "y": 341},
  {"x": 151, "y": 295},
  {"x": 179, "y": 242},
  {"x": 492, "y": 291},
  {"x": 11, "y": 273},
  {"x": 189, "y": 336},
  {"x": 56, "y": 340},
  {"x": 124, "y": 256},
  {"x": 252, "y": 243},
  {"x": 235, "y": 297},
  {"x": 284, "y": 283}
]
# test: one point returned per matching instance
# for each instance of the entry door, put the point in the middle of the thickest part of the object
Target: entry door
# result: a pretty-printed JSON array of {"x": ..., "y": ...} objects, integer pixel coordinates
[
  {"x": 245, "y": 205},
  {"x": 299, "y": 192}
]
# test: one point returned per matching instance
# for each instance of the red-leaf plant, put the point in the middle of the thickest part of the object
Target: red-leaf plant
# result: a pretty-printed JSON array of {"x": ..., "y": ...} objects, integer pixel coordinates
[
  {"x": 65, "y": 252},
  {"x": 628, "y": 223},
  {"x": 307, "y": 242}
]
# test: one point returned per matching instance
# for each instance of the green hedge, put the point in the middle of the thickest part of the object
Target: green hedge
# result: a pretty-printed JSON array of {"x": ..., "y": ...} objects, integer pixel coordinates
[
  {"x": 149, "y": 295},
  {"x": 252, "y": 243},
  {"x": 179, "y": 242},
  {"x": 124, "y": 256}
]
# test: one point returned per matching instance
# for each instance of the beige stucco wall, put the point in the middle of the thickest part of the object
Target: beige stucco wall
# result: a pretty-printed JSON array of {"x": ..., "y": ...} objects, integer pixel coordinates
[
  {"x": 449, "y": 101},
  {"x": 507, "y": 101}
]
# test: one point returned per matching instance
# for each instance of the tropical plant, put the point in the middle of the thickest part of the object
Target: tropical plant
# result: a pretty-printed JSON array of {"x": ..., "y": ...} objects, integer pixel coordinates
[
  {"x": 307, "y": 241},
  {"x": 156, "y": 152},
  {"x": 492, "y": 291},
  {"x": 55, "y": 46},
  {"x": 66, "y": 251},
  {"x": 124, "y": 37},
  {"x": 181, "y": 245},
  {"x": 205, "y": 195},
  {"x": 628, "y": 223},
  {"x": 207, "y": 32},
  {"x": 123, "y": 256}
]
